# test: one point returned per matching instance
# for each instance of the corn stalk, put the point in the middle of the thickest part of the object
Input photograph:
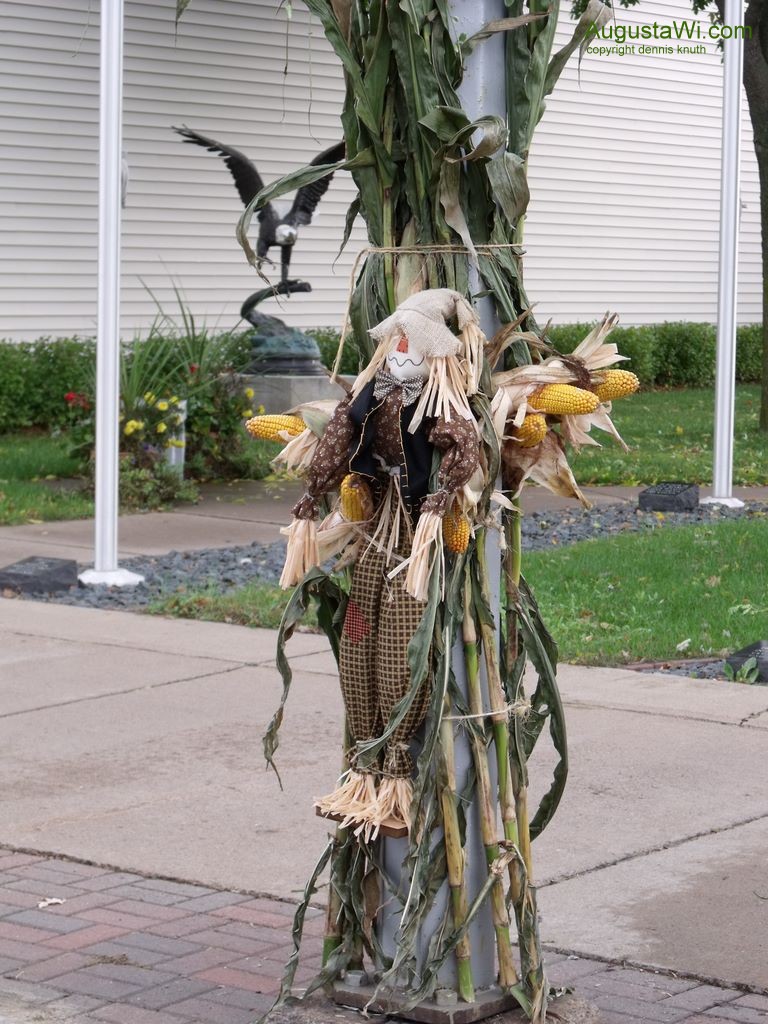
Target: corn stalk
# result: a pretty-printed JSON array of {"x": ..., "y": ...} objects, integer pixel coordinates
[{"x": 427, "y": 176}]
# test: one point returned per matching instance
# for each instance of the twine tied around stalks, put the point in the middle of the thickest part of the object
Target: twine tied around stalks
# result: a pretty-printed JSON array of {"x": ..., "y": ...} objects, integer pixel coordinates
[
  {"x": 515, "y": 709},
  {"x": 411, "y": 250}
]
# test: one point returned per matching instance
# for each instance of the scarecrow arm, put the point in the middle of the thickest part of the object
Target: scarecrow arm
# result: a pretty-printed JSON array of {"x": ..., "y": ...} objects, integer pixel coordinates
[
  {"x": 457, "y": 440},
  {"x": 330, "y": 463}
]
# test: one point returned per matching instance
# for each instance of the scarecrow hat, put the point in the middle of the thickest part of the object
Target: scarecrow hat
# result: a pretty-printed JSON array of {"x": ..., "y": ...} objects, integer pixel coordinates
[{"x": 422, "y": 319}]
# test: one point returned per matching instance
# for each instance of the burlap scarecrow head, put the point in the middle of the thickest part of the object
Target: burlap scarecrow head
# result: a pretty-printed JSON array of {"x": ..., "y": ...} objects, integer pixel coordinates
[{"x": 417, "y": 341}]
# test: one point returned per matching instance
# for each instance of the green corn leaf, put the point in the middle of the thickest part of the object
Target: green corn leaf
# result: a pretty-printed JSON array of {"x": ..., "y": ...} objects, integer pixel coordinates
[
  {"x": 353, "y": 211},
  {"x": 596, "y": 13},
  {"x": 500, "y": 25},
  {"x": 331, "y": 601},
  {"x": 506, "y": 173}
]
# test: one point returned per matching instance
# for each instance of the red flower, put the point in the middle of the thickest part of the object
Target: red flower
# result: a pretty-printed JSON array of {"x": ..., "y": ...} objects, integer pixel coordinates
[
  {"x": 193, "y": 367},
  {"x": 75, "y": 399}
]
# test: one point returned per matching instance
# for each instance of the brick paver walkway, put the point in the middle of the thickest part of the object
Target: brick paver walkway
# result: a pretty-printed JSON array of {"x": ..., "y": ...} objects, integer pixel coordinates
[{"x": 124, "y": 949}]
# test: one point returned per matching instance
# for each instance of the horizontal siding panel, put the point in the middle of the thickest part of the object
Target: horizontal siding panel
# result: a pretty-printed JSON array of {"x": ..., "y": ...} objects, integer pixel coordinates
[{"x": 624, "y": 170}]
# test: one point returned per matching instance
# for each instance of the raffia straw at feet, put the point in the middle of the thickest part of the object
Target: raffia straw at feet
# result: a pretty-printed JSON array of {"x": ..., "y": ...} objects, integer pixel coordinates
[
  {"x": 301, "y": 553},
  {"x": 355, "y": 798},
  {"x": 427, "y": 546},
  {"x": 393, "y": 804}
]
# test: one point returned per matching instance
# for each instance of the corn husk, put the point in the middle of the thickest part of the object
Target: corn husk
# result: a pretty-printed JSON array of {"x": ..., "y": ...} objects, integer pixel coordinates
[{"x": 301, "y": 553}]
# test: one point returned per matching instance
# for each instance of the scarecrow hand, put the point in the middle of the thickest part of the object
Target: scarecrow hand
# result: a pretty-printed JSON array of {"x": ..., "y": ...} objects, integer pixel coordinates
[
  {"x": 305, "y": 508},
  {"x": 436, "y": 503}
]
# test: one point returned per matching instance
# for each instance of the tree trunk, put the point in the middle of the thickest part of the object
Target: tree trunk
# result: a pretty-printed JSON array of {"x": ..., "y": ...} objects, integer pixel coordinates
[{"x": 756, "y": 87}]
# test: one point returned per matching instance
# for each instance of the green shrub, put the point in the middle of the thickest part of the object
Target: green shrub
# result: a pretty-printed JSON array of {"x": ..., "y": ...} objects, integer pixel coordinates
[
  {"x": 35, "y": 376},
  {"x": 749, "y": 354},
  {"x": 327, "y": 339},
  {"x": 565, "y": 337},
  {"x": 637, "y": 343},
  {"x": 673, "y": 354},
  {"x": 685, "y": 355},
  {"x": 149, "y": 488}
]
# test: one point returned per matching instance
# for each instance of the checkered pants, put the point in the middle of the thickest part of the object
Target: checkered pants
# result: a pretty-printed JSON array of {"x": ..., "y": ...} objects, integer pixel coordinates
[{"x": 373, "y": 662}]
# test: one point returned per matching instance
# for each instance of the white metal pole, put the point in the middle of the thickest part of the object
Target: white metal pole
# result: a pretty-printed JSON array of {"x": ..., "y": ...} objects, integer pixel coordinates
[
  {"x": 725, "y": 378},
  {"x": 106, "y": 569},
  {"x": 482, "y": 91}
]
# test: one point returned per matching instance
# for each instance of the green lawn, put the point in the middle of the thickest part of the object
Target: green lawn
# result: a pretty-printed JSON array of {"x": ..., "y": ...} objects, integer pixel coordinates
[
  {"x": 30, "y": 463},
  {"x": 669, "y": 434},
  {"x": 670, "y": 437},
  {"x": 257, "y": 604},
  {"x": 673, "y": 593}
]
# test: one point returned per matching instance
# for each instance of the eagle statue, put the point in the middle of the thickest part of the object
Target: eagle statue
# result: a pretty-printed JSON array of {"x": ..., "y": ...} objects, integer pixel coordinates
[{"x": 274, "y": 229}]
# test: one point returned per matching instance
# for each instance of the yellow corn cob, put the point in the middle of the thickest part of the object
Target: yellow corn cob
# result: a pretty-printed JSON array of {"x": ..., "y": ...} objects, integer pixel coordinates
[
  {"x": 356, "y": 503},
  {"x": 563, "y": 400},
  {"x": 273, "y": 428},
  {"x": 531, "y": 431},
  {"x": 616, "y": 384},
  {"x": 455, "y": 529}
]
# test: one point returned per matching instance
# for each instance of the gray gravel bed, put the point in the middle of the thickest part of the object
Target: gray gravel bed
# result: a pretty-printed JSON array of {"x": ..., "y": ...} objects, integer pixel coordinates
[{"x": 226, "y": 569}]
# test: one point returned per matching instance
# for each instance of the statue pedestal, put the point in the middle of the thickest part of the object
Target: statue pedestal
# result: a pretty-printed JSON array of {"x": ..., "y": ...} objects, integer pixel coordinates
[{"x": 280, "y": 392}]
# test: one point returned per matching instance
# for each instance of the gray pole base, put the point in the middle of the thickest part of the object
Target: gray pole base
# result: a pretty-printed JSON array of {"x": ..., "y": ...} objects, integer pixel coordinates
[{"x": 444, "y": 1008}]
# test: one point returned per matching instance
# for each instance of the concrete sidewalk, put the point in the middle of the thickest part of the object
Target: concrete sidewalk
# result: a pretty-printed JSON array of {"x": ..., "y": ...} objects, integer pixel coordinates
[
  {"x": 237, "y": 514},
  {"x": 135, "y": 742}
]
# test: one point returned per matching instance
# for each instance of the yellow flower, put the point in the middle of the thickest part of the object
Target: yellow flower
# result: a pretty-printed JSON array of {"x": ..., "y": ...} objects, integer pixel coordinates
[
  {"x": 247, "y": 413},
  {"x": 161, "y": 428},
  {"x": 261, "y": 410},
  {"x": 131, "y": 427},
  {"x": 149, "y": 397},
  {"x": 249, "y": 393},
  {"x": 162, "y": 406},
  {"x": 176, "y": 444},
  {"x": 175, "y": 400}
]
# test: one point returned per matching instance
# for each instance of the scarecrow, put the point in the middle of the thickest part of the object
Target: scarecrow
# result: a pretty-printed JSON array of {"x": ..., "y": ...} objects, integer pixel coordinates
[{"x": 408, "y": 406}]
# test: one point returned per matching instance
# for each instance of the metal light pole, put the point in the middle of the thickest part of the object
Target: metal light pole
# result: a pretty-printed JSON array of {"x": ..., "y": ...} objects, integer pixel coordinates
[
  {"x": 106, "y": 570},
  {"x": 725, "y": 379},
  {"x": 482, "y": 92}
]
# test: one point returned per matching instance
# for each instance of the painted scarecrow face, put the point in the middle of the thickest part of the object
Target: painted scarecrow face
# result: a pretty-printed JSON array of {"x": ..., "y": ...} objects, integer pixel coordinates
[{"x": 405, "y": 361}]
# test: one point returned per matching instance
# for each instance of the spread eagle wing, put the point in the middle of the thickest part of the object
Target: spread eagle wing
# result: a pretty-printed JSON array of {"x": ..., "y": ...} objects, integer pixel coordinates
[
  {"x": 247, "y": 179},
  {"x": 308, "y": 196}
]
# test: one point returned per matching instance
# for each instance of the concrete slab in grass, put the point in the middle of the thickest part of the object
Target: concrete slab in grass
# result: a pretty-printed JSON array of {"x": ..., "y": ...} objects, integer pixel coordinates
[
  {"x": 171, "y": 780},
  {"x": 252, "y": 500},
  {"x": 36, "y": 672},
  {"x": 152, "y": 534},
  {"x": 699, "y": 907},
  {"x": 639, "y": 782},
  {"x": 654, "y": 693},
  {"x": 184, "y": 637}
]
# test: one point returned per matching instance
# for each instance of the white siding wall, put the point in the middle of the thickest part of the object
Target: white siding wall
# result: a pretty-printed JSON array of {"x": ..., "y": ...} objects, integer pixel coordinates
[
  {"x": 624, "y": 170},
  {"x": 625, "y": 178},
  {"x": 223, "y": 74}
]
